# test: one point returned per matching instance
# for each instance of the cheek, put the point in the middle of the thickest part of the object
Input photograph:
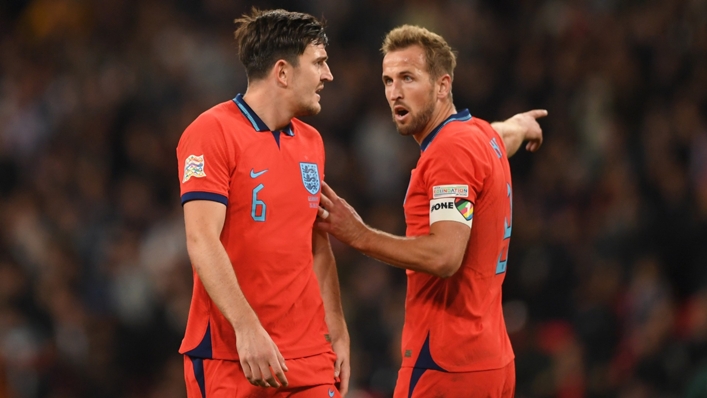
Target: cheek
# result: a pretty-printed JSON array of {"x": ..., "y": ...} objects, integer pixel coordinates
[
  {"x": 413, "y": 98},
  {"x": 420, "y": 98}
]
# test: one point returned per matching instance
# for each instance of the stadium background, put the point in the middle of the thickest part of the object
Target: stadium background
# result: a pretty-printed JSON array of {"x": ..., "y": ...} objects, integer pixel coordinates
[{"x": 606, "y": 290}]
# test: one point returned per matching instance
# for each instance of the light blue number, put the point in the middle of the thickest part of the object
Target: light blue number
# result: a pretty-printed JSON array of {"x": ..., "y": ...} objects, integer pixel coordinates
[
  {"x": 508, "y": 226},
  {"x": 257, "y": 202},
  {"x": 495, "y": 147}
]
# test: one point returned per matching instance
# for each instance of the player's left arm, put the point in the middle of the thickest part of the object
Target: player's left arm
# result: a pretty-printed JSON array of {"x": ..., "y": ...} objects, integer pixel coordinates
[
  {"x": 325, "y": 269},
  {"x": 521, "y": 127},
  {"x": 440, "y": 253}
]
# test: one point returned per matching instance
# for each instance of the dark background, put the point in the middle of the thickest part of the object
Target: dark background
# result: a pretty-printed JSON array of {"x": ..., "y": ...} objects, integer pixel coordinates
[{"x": 606, "y": 289}]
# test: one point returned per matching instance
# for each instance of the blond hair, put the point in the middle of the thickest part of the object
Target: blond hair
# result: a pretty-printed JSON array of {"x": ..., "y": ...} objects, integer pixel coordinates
[{"x": 438, "y": 54}]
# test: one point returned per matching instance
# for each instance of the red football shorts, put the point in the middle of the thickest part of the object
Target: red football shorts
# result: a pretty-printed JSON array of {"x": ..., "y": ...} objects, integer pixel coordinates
[
  {"x": 418, "y": 383},
  {"x": 214, "y": 378}
]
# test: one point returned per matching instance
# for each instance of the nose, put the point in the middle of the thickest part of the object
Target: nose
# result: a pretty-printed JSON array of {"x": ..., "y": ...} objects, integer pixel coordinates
[
  {"x": 327, "y": 76},
  {"x": 393, "y": 91}
]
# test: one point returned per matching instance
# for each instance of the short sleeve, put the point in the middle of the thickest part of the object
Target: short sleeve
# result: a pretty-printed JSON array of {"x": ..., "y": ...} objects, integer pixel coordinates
[
  {"x": 204, "y": 162},
  {"x": 454, "y": 178},
  {"x": 457, "y": 169}
]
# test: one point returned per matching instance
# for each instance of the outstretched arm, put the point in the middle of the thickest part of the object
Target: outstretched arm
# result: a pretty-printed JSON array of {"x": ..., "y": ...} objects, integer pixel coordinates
[
  {"x": 440, "y": 253},
  {"x": 521, "y": 127}
]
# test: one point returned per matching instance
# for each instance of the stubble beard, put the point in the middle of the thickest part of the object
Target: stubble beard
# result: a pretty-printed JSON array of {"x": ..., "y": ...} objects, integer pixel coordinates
[
  {"x": 308, "y": 109},
  {"x": 419, "y": 121}
]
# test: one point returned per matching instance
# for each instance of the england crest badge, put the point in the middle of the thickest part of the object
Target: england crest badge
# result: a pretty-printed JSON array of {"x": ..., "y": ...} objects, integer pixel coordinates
[{"x": 310, "y": 177}]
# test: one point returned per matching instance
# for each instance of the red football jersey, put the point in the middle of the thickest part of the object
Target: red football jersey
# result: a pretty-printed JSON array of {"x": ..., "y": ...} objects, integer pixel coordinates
[
  {"x": 456, "y": 324},
  {"x": 270, "y": 184}
]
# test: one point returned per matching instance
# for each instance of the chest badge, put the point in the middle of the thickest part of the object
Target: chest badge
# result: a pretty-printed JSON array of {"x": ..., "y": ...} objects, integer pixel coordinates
[{"x": 310, "y": 177}]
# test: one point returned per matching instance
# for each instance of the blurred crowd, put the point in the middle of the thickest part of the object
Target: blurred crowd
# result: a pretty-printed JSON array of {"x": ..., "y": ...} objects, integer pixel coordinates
[{"x": 606, "y": 289}]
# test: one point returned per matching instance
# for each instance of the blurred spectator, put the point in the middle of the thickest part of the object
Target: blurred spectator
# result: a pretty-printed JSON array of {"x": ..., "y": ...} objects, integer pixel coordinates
[{"x": 606, "y": 292}]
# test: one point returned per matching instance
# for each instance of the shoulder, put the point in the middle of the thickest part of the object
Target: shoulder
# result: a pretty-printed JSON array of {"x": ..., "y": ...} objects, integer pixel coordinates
[
  {"x": 462, "y": 144},
  {"x": 212, "y": 123},
  {"x": 465, "y": 136},
  {"x": 491, "y": 138},
  {"x": 484, "y": 127},
  {"x": 306, "y": 131},
  {"x": 219, "y": 115},
  {"x": 304, "y": 128}
]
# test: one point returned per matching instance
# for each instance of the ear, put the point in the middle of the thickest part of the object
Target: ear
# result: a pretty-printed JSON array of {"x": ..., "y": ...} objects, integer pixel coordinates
[
  {"x": 282, "y": 73},
  {"x": 444, "y": 84}
]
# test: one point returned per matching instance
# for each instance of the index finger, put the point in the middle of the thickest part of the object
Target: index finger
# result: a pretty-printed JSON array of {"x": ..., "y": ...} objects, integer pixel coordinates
[
  {"x": 325, "y": 202},
  {"x": 327, "y": 191},
  {"x": 537, "y": 113}
]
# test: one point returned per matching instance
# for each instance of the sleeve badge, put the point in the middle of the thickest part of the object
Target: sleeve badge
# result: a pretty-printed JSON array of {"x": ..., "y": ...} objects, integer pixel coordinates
[{"x": 193, "y": 167}]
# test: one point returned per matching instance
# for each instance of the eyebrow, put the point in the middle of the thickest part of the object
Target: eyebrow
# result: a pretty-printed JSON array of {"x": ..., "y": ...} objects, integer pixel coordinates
[{"x": 400, "y": 73}]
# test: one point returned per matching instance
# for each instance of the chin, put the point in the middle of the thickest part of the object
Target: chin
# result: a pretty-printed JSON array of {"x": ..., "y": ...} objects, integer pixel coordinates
[
  {"x": 313, "y": 110},
  {"x": 405, "y": 130},
  {"x": 310, "y": 110}
]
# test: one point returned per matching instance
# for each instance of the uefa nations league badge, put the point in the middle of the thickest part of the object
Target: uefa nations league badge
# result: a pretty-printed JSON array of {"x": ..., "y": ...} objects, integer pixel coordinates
[{"x": 310, "y": 177}]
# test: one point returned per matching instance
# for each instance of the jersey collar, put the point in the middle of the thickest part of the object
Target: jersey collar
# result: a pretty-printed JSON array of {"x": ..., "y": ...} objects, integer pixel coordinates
[
  {"x": 462, "y": 116},
  {"x": 255, "y": 120}
]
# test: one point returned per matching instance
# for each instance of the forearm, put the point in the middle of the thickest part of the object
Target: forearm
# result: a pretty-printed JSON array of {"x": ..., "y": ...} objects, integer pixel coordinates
[
  {"x": 439, "y": 253},
  {"x": 519, "y": 128},
  {"x": 325, "y": 270},
  {"x": 511, "y": 135},
  {"x": 422, "y": 253},
  {"x": 215, "y": 271}
]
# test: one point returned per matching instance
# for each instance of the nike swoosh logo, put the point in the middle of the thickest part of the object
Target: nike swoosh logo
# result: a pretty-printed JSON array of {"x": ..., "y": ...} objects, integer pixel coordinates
[{"x": 253, "y": 174}]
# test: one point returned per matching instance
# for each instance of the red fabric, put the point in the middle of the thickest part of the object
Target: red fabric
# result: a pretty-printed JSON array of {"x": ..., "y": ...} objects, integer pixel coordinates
[
  {"x": 307, "y": 377},
  {"x": 272, "y": 259},
  {"x": 496, "y": 383},
  {"x": 462, "y": 314}
]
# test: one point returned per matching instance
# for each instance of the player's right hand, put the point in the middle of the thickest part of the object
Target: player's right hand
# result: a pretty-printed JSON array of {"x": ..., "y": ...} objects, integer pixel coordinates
[
  {"x": 527, "y": 122},
  {"x": 337, "y": 218},
  {"x": 260, "y": 358}
]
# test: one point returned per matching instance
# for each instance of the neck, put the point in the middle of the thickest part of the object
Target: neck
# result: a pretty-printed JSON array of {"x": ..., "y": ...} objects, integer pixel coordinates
[
  {"x": 268, "y": 103},
  {"x": 441, "y": 113}
]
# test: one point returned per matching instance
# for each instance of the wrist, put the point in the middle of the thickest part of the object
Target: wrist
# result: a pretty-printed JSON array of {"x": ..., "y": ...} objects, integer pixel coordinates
[
  {"x": 361, "y": 242},
  {"x": 245, "y": 322},
  {"x": 339, "y": 338}
]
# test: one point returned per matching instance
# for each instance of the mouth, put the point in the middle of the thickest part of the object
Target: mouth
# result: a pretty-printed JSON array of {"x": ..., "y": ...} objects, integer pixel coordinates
[
  {"x": 400, "y": 113},
  {"x": 316, "y": 92}
]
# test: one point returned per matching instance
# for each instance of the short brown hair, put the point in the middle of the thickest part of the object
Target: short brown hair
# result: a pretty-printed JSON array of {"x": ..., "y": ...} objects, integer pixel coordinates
[
  {"x": 264, "y": 37},
  {"x": 439, "y": 55}
]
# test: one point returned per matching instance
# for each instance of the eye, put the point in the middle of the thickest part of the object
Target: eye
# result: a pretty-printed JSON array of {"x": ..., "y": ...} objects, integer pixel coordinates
[
  {"x": 407, "y": 78},
  {"x": 387, "y": 81}
]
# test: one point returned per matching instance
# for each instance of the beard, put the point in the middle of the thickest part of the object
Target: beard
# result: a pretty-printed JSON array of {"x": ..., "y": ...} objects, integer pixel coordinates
[
  {"x": 308, "y": 109},
  {"x": 307, "y": 105},
  {"x": 418, "y": 121}
]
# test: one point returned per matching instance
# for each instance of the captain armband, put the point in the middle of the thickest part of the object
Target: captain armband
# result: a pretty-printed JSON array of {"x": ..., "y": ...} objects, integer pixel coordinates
[{"x": 451, "y": 209}]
